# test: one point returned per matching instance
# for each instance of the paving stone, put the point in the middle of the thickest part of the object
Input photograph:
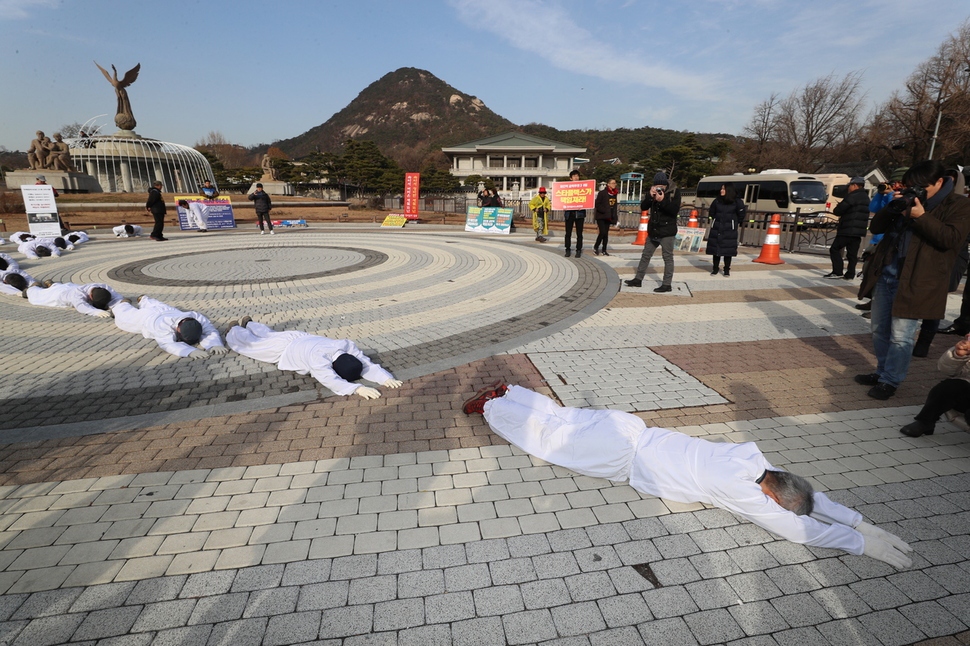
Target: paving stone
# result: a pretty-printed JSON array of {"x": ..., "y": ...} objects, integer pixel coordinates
[
  {"x": 98, "y": 597},
  {"x": 807, "y": 636},
  {"x": 420, "y": 584},
  {"x": 219, "y": 608},
  {"x": 714, "y": 593},
  {"x": 545, "y": 594},
  {"x": 891, "y": 627},
  {"x": 164, "y": 614},
  {"x": 478, "y": 632},
  {"x": 758, "y": 618},
  {"x": 578, "y": 618},
  {"x": 353, "y": 567},
  {"x": 669, "y": 602},
  {"x": 879, "y": 594},
  {"x": 624, "y": 610},
  {"x": 713, "y": 626},
  {"x": 344, "y": 622},
  {"x": 529, "y": 626},
  {"x": 276, "y": 601},
  {"x": 207, "y": 584},
  {"x": 188, "y": 636},
  {"x": 673, "y": 631},
  {"x": 107, "y": 623},
  {"x": 304, "y": 572},
  {"x": 753, "y": 586},
  {"x": 933, "y": 620},
  {"x": 46, "y": 631},
  {"x": 439, "y": 635},
  {"x": 286, "y": 629},
  {"x": 257, "y": 578},
  {"x": 398, "y": 614},
  {"x": 321, "y": 596},
  {"x": 467, "y": 577},
  {"x": 498, "y": 600},
  {"x": 517, "y": 570},
  {"x": 39, "y": 604},
  {"x": 449, "y": 607}
]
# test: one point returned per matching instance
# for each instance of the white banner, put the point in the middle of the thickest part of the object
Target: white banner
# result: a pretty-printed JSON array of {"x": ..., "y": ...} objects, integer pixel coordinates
[{"x": 41, "y": 210}]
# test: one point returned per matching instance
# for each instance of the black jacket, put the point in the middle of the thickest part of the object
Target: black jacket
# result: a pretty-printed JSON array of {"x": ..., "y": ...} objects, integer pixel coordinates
[
  {"x": 606, "y": 206},
  {"x": 725, "y": 221},
  {"x": 155, "y": 203},
  {"x": 853, "y": 214},
  {"x": 261, "y": 201},
  {"x": 663, "y": 214}
]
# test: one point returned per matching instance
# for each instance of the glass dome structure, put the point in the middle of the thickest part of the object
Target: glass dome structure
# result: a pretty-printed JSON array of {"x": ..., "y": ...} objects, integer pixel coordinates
[{"x": 125, "y": 164}]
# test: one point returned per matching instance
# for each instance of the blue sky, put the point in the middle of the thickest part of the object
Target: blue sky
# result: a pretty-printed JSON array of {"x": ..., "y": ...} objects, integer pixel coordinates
[{"x": 259, "y": 71}]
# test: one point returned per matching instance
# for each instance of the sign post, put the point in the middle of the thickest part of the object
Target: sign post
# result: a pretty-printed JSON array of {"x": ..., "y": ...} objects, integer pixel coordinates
[{"x": 41, "y": 210}]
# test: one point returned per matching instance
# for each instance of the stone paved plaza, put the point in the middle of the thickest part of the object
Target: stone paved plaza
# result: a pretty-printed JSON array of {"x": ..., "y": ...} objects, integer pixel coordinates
[{"x": 150, "y": 500}]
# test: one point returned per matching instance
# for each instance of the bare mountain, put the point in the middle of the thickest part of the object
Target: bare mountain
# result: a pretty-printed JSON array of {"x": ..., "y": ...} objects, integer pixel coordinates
[{"x": 409, "y": 113}]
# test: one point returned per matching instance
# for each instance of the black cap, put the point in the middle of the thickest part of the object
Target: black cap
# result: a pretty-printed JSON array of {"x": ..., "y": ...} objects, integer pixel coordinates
[{"x": 348, "y": 367}]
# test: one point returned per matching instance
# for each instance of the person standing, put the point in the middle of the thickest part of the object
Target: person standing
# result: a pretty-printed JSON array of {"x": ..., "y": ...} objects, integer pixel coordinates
[
  {"x": 263, "y": 205},
  {"x": 156, "y": 206},
  {"x": 606, "y": 215},
  {"x": 910, "y": 269},
  {"x": 663, "y": 203},
  {"x": 540, "y": 206},
  {"x": 726, "y": 214},
  {"x": 853, "y": 214},
  {"x": 577, "y": 218}
]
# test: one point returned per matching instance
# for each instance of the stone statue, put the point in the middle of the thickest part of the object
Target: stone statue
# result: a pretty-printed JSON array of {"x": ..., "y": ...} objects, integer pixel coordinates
[
  {"x": 37, "y": 153},
  {"x": 59, "y": 155},
  {"x": 269, "y": 173},
  {"x": 124, "y": 119}
]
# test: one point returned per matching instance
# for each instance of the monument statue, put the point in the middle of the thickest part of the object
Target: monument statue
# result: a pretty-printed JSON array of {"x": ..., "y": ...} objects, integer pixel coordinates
[
  {"x": 124, "y": 119},
  {"x": 59, "y": 155},
  {"x": 269, "y": 173},
  {"x": 37, "y": 153}
]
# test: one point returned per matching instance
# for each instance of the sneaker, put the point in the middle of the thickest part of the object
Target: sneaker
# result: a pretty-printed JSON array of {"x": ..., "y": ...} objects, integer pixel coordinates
[
  {"x": 603, "y": 253},
  {"x": 579, "y": 253},
  {"x": 476, "y": 403},
  {"x": 272, "y": 232},
  {"x": 596, "y": 251},
  {"x": 261, "y": 232},
  {"x": 870, "y": 379},
  {"x": 917, "y": 428},
  {"x": 832, "y": 276},
  {"x": 882, "y": 391},
  {"x": 663, "y": 288},
  {"x": 569, "y": 253},
  {"x": 633, "y": 282}
]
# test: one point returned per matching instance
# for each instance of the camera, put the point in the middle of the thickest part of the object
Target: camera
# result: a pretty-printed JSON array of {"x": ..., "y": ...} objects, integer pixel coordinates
[
  {"x": 907, "y": 198},
  {"x": 660, "y": 191}
]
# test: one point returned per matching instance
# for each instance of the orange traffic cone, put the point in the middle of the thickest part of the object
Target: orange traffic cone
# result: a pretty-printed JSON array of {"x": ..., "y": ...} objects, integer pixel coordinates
[
  {"x": 642, "y": 231},
  {"x": 692, "y": 221},
  {"x": 771, "y": 249}
]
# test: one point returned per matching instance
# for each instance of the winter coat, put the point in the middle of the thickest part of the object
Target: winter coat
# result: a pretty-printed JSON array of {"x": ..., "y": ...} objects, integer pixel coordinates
[
  {"x": 853, "y": 214},
  {"x": 925, "y": 273},
  {"x": 954, "y": 367},
  {"x": 663, "y": 214},
  {"x": 725, "y": 222},
  {"x": 155, "y": 203},
  {"x": 261, "y": 201},
  {"x": 606, "y": 206}
]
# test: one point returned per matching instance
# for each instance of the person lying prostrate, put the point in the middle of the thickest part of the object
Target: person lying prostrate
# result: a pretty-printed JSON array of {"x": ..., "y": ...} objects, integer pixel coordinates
[
  {"x": 126, "y": 230},
  {"x": 21, "y": 236},
  {"x": 15, "y": 282},
  {"x": 93, "y": 299},
  {"x": 175, "y": 331},
  {"x": 35, "y": 249},
  {"x": 8, "y": 263}
]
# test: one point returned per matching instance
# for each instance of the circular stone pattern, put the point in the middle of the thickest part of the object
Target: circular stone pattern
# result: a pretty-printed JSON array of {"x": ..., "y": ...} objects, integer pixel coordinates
[{"x": 247, "y": 266}]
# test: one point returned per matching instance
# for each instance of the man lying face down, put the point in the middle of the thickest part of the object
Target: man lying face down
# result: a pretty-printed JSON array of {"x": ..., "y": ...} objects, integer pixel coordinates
[
  {"x": 94, "y": 299},
  {"x": 175, "y": 331},
  {"x": 736, "y": 477},
  {"x": 335, "y": 363}
]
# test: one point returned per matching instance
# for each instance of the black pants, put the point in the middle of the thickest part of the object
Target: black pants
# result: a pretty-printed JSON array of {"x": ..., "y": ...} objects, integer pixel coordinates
[
  {"x": 851, "y": 246},
  {"x": 727, "y": 262},
  {"x": 159, "y": 225},
  {"x": 264, "y": 216},
  {"x": 579, "y": 230},
  {"x": 604, "y": 234},
  {"x": 946, "y": 395},
  {"x": 962, "y": 322}
]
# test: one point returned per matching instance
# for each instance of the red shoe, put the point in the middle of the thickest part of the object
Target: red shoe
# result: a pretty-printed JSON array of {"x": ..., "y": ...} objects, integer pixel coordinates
[{"x": 476, "y": 404}]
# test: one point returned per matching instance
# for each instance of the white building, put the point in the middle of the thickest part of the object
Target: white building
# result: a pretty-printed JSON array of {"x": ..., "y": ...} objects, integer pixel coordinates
[{"x": 514, "y": 161}]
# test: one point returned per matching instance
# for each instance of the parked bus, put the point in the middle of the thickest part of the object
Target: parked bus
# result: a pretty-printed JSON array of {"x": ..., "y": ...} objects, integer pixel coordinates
[{"x": 772, "y": 190}]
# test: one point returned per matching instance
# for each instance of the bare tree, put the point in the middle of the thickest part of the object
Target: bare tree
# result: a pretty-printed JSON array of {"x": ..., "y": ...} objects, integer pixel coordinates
[{"x": 231, "y": 155}]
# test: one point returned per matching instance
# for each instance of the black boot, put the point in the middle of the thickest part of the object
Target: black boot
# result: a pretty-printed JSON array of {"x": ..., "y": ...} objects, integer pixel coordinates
[
  {"x": 923, "y": 342},
  {"x": 714, "y": 271}
]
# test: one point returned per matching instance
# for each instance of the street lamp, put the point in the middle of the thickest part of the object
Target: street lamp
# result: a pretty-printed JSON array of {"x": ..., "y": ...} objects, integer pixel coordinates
[{"x": 939, "y": 113}]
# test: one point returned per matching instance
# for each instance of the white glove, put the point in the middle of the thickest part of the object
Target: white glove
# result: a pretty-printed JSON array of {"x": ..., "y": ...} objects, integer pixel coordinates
[
  {"x": 198, "y": 354},
  {"x": 883, "y": 551},
  {"x": 218, "y": 350},
  {"x": 368, "y": 393},
  {"x": 868, "y": 530},
  {"x": 103, "y": 314},
  {"x": 392, "y": 383}
]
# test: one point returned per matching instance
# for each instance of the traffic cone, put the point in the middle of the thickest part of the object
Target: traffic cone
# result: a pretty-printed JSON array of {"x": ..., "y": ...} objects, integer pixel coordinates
[
  {"x": 692, "y": 221},
  {"x": 771, "y": 249},
  {"x": 642, "y": 230}
]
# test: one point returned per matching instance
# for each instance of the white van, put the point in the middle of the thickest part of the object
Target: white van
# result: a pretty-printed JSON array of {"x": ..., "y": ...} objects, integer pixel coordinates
[{"x": 774, "y": 190}]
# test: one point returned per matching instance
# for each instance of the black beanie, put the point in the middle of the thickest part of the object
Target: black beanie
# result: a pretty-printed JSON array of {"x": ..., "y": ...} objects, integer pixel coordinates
[
  {"x": 660, "y": 179},
  {"x": 348, "y": 367}
]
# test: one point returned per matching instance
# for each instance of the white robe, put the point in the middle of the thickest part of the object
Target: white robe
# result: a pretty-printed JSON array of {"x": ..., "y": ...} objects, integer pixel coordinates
[
  {"x": 70, "y": 295},
  {"x": 81, "y": 237},
  {"x": 29, "y": 249},
  {"x": 198, "y": 215},
  {"x": 10, "y": 290},
  {"x": 617, "y": 445},
  {"x": 303, "y": 352},
  {"x": 120, "y": 232},
  {"x": 12, "y": 264},
  {"x": 157, "y": 320},
  {"x": 18, "y": 237},
  {"x": 50, "y": 241}
]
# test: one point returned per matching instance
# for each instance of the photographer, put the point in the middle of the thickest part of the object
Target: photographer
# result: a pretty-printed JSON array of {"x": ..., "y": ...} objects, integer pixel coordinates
[
  {"x": 908, "y": 277},
  {"x": 663, "y": 202}
]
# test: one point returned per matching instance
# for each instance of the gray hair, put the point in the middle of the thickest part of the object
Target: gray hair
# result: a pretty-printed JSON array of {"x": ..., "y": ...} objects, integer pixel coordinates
[{"x": 794, "y": 492}]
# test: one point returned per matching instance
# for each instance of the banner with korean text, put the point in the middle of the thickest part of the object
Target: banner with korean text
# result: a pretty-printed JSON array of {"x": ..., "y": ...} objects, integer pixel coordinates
[
  {"x": 219, "y": 213},
  {"x": 573, "y": 196},
  {"x": 412, "y": 191},
  {"x": 489, "y": 219}
]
